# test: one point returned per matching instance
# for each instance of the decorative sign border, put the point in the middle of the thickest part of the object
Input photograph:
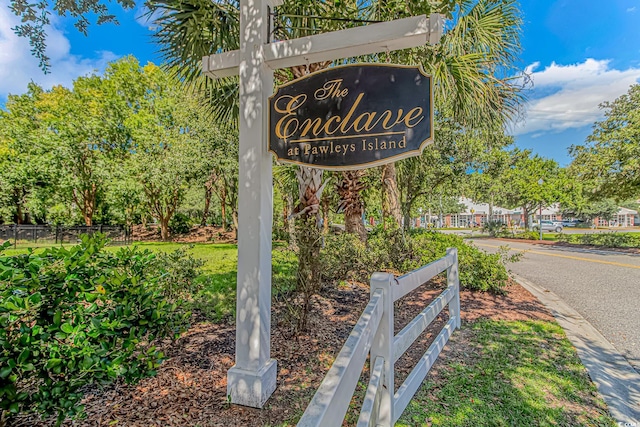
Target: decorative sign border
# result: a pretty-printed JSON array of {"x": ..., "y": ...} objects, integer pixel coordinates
[{"x": 352, "y": 117}]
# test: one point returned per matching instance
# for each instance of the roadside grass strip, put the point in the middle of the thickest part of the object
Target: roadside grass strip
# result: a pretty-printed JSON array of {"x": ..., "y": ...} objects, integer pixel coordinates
[{"x": 507, "y": 373}]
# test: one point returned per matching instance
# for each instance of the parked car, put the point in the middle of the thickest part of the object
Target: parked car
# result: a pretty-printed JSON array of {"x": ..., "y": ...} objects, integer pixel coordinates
[
  {"x": 549, "y": 226},
  {"x": 571, "y": 222}
]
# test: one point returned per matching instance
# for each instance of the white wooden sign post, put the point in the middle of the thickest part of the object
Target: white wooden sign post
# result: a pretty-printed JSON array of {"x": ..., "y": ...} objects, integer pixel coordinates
[{"x": 253, "y": 378}]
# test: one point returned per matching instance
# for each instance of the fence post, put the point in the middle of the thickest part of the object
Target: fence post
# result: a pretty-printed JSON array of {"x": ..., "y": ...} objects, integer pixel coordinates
[
  {"x": 15, "y": 236},
  {"x": 382, "y": 345},
  {"x": 453, "y": 280}
]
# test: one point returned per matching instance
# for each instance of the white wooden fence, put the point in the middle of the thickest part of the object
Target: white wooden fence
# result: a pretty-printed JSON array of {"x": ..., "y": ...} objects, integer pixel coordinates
[{"x": 374, "y": 333}]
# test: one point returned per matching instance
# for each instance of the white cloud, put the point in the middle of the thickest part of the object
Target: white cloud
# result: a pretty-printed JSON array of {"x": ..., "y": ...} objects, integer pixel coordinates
[
  {"x": 18, "y": 66},
  {"x": 568, "y": 96}
]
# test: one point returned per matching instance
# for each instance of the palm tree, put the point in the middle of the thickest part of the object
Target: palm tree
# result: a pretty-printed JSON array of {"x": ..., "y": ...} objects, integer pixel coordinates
[{"x": 471, "y": 69}]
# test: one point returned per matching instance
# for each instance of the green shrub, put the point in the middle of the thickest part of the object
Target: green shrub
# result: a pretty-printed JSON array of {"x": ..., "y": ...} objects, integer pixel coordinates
[
  {"x": 494, "y": 228},
  {"x": 70, "y": 317},
  {"x": 344, "y": 257},
  {"x": 527, "y": 235},
  {"x": 177, "y": 272},
  {"x": 180, "y": 224},
  {"x": 610, "y": 240}
]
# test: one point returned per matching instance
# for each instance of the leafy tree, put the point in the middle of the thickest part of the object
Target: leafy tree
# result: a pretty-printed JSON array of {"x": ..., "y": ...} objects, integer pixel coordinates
[
  {"x": 588, "y": 210},
  {"x": 532, "y": 182},
  {"x": 26, "y": 175},
  {"x": 85, "y": 125},
  {"x": 470, "y": 67},
  {"x": 161, "y": 155},
  {"x": 443, "y": 167},
  {"x": 485, "y": 183},
  {"x": 611, "y": 156}
]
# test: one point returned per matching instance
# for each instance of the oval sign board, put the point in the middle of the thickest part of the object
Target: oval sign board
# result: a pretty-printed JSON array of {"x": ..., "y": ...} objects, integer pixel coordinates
[{"x": 352, "y": 117}]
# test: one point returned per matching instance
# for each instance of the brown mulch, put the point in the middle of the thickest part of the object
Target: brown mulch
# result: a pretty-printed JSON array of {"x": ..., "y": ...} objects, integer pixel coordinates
[
  {"x": 197, "y": 234},
  {"x": 190, "y": 387}
]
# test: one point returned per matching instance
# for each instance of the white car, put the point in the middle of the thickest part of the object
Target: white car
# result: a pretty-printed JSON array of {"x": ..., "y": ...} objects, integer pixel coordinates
[{"x": 549, "y": 226}]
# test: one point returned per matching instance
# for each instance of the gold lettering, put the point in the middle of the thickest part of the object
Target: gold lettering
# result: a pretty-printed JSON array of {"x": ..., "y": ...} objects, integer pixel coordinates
[
  {"x": 326, "y": 125},
  {"x": 415, "y": 113},
  {"x": 392, "y": 144},
  {"x": 367, "y": 124},
  {"x": 403, "y": 142},
  {"x": 331, "y": 89},
  {"x": 308, "y": 123},
  {"x": 345, "y": 121},
  {"x": 288, "y": 119},
  {"x": 324, "y": 149}
]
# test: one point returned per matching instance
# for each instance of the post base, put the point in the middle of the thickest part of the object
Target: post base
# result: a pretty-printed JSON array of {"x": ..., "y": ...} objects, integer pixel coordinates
[{"x": 252, "y": 388}]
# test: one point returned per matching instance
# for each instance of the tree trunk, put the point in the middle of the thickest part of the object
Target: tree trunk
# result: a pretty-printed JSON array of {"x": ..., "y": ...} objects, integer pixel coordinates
[
  {"x": 490, "y": 218},
  {"x": 208, "y": 192},
  {"x": 308, "y": 238},
  {"x": 290, "y": 224},
  {"x": 19, "y": 215},
  {"x": 350, "y": 190},
  {"x": 223, "y": 209},
  {"x": 164, "y": 228},
  {"x": 407, "y": 216},
  {"x": 89, "y": 204},
  {"x": 234, "y": 218},
  {"x": 325, "y": 213},
  {"x": 525, "y": 212},
  {"x": 391, "y": 195}
]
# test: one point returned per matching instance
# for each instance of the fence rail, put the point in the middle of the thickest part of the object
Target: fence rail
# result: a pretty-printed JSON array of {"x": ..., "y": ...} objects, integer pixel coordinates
[
  {"x": 60, "y": 234},
  {"x": 374, "y": 334}
]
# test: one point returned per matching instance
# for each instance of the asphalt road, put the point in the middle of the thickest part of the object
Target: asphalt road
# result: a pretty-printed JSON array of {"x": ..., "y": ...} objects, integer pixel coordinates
[{"x": 603, "y": 286}]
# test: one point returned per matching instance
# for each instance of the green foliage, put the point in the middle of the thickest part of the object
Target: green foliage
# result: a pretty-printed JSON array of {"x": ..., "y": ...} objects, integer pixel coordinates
[
  {"x": 179, "y": 271},
  {"x": 610, "y": 160},
  {"x": 582, "y": 206},
  {"x": 180, "y": 224},
  {"x": 344, "y": 257},
  {"x": 495, "y": 228},
  {"x": 71, "y": 317},
  {"x": 610, "y": 240},
  {"x": 527, "y": 235}
]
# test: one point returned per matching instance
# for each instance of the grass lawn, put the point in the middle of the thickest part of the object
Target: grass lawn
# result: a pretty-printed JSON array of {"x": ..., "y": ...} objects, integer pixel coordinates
[{"x": 511, "y": 373}]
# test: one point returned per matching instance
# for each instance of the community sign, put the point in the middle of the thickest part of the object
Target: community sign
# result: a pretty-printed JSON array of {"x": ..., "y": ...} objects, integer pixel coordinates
[{"x": 352, "y": 117}]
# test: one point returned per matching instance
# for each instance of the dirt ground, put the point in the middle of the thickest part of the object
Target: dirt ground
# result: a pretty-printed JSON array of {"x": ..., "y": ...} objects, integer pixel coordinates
[
  {"x": 198, "y": 234},
  {"x": 190, "y": 387}
]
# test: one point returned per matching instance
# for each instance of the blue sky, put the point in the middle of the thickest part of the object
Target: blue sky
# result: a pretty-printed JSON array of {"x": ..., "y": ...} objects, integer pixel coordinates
[{"x": 579, "y": 53}]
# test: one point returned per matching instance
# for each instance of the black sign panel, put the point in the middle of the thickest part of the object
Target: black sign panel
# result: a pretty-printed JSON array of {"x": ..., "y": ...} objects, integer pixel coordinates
[{"x": 352, "y": 117}]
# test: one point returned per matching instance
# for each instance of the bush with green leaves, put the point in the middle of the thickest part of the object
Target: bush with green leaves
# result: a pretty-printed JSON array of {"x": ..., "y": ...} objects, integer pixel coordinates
[
  {"x": 178, "y": 273},
  {"x": 72, "y": 317},
  {"x": 180, "y": 224},
  {"x": 495, "y": 228},
  {"x": 610, "y": 240},
  {"x": 344, "y": 257}
]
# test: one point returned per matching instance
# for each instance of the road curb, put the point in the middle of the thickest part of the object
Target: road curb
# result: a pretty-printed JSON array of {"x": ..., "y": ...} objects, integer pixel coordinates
[{"x": 617, "y": 382}]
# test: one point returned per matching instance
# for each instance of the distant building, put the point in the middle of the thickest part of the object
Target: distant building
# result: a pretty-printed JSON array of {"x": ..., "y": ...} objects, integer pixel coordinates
[
  {"x": 477, "y": 214},
  {"x": 624, "y": 218}
]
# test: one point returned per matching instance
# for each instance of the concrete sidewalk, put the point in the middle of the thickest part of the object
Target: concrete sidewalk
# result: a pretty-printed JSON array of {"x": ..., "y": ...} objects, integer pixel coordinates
[{"x": 617, "y": 382}]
